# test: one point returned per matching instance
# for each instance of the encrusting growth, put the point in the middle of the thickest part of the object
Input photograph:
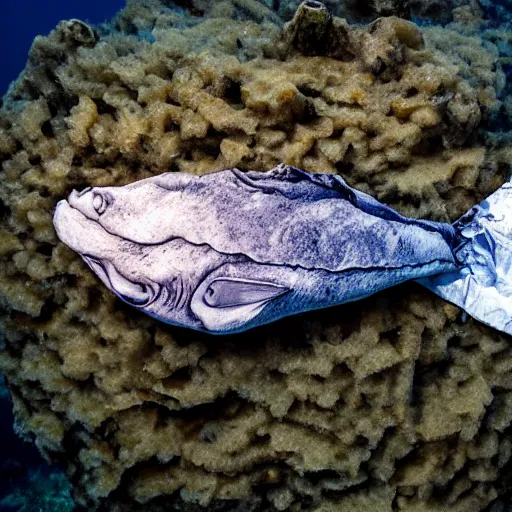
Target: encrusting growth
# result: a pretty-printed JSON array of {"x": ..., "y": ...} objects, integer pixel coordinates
[{"x": 392, "y": 403}]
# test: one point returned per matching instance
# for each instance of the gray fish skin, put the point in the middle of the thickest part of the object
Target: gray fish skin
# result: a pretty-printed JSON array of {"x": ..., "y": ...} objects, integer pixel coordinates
[{"x": 231, "y": 250}]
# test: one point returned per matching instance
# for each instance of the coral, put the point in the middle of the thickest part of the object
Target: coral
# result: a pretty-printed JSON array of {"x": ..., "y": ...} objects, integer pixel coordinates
[
  {"x": 27, "y": 484},
  {"x": 43, "y": 491},
  {"x": 312, "y": 31},
  {"x": 443, "y": 11},
  {"x": 393, "y": 403},
  {"x": 499, "y": 10},
  {"x": 4, "y": 393}
]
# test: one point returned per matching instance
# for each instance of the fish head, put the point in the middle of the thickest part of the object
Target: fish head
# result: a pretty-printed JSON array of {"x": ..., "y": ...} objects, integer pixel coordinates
[
  {"x": 176, "y": 282},
  {"x": 130, "y": 270}
]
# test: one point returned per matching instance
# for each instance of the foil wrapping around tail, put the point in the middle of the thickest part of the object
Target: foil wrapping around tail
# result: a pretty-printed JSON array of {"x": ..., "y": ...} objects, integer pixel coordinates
[{"x": 482, "y": 285}]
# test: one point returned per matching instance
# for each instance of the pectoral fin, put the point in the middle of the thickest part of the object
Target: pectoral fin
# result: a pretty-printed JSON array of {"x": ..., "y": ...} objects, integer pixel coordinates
[
  {"x": 225, "y": 303},
  {"x": 229, "y": 292}
]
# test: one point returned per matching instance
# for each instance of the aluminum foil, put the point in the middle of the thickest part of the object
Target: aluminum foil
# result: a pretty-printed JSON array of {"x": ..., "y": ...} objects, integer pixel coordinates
[{"x": 482, "y": 286}]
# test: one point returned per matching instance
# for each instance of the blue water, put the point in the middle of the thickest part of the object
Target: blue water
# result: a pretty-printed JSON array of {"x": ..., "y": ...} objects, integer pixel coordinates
[
  {"x": 27, "y": 483},
  {"x": 21, "y": 21},
  {"x": 23, "y": 473}
]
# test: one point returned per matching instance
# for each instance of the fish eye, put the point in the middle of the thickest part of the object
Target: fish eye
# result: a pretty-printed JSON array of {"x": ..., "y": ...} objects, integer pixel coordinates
[{"x": 100, "y": 202}]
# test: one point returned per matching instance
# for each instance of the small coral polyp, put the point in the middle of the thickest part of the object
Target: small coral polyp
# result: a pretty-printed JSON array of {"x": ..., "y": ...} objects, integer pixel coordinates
[{"x": 392, "y": 403}]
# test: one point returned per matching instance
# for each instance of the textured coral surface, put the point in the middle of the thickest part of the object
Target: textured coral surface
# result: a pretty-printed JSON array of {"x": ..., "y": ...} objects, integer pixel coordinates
[{"x": 397, "y": 402}]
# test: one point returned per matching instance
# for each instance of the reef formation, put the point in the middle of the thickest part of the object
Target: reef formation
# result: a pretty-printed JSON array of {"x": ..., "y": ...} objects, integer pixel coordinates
[{"x": 397, "y": 402}]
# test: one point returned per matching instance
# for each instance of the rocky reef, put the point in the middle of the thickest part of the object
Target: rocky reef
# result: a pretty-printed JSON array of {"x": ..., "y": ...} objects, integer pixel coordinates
[
  {"x": 27, "y": 483},
  {"x": 397, "y": 402}
]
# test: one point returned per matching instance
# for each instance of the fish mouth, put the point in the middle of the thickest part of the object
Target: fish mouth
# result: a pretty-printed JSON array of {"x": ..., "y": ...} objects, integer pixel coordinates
[
  {"x": 81, "y": 234},
  {"x": 75, "y": 230},
  {"x": 136, "y": 294}
]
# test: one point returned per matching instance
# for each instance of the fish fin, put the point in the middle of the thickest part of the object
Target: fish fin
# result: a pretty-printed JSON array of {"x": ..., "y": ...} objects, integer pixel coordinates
[
  {"x": 228, "y": 304},
  {"x": 229, "y": 292}
]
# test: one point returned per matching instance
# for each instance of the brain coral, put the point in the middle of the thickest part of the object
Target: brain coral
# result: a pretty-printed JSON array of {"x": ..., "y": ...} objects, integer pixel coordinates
[{"x": 397, "y": 402}]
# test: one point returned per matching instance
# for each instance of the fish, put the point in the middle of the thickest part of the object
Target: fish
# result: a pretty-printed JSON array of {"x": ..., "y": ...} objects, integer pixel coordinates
[{"x": 232, "y": 250}]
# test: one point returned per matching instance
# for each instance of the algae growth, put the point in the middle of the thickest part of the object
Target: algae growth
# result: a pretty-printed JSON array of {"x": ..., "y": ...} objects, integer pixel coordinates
[{"x": 397, "y": 402}]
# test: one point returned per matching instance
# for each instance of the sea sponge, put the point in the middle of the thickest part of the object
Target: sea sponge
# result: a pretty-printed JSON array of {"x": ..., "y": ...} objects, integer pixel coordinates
[
  {"x": 397, "y": 402},
  {"x": 443, "y": 11}
]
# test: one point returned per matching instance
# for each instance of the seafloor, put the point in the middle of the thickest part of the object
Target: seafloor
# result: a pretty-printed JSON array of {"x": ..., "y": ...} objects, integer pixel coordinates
[{"x": 395, "y": 403}]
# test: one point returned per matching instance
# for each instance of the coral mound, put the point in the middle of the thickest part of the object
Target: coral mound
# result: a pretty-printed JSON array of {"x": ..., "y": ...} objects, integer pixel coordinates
[{"x": 397, "y": 402}]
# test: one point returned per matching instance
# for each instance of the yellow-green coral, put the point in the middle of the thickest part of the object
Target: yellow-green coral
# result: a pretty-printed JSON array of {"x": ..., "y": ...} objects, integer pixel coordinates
[{"x": 392, "y": 403}]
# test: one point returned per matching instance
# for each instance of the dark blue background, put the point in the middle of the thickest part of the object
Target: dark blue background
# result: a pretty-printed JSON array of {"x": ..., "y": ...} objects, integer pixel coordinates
[{"x": 22, "y": 20}]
